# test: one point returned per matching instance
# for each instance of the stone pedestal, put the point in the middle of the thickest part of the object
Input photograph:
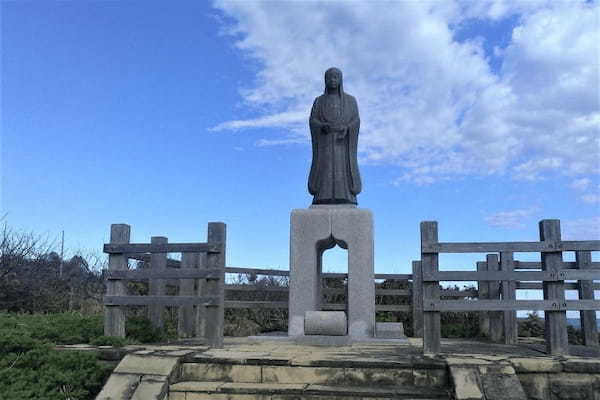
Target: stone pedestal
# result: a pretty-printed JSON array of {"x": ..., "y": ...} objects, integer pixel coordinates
[{"x": 320, "y": 228}]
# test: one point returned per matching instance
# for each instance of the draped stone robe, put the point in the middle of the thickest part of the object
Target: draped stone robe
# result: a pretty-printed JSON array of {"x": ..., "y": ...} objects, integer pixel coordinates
[{"x": 334, "y": 177}]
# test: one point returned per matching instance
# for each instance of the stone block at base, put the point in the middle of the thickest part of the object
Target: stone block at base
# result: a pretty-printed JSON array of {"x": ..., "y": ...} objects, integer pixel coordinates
[
  {"x": 389, "y": 330},
  {"x": 331, "y": 323}
]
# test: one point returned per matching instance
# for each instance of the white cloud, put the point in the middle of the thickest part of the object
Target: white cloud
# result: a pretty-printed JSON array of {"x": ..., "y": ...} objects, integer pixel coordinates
[
  {"x": 531, "y": 170},
  {"x": 581, "y": 184},
  {"x": 269, "y": 121},
  {"x": 514, "y": 219},
  {"x": 581, "y": 229},
  {"x": 428, "y": 103},
  {"x": 593, "y": 197}
]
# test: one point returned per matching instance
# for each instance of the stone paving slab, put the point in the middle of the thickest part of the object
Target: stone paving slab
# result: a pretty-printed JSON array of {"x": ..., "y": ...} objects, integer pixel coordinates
[
  {"x": 151, "y": 390},
  {"x": 119, "y": 387},
  {"x": 263, "y": 388},
  {"x": 292, "y": 391},
  {"x": 195, "y": 386},
  {"x": 148, "y": 368},
  {"x": 147, "y": 365}
]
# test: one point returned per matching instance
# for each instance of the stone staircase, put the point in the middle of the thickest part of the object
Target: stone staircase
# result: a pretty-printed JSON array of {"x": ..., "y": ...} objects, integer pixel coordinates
[{"x": 251, "y": 376}]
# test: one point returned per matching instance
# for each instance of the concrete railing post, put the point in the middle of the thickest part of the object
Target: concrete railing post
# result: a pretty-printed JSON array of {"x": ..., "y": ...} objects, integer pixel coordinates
[
  {"x": 496, "y": 324},
  {"x": 114, "y": 316},
  {"x": 200, "y": 314},
  {"x": 509, "y": 318},
  {"x": 215, "y": 286},
  {"x": 185, "y": 326},
  {"x": 431, "y": 289},
  {"x": 483, "y": 293},
  {"x": 555, "y": 320},
  {"x": 589, "y": 327},
  {"x": 156, "y": 287},
  {"x": 417, "y": 299}
]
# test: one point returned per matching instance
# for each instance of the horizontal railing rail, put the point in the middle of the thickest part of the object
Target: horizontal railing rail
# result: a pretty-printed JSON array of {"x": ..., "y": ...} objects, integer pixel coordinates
[
  {"x": 167, "y": 273},
  {"x": 201, "y": 282},
  {"x": 515, "y": 247},
  {"x": 508, "y": 305},
  {"x": 133, "y": 248},
  {"x": 499, "y": 278},
  {"x": 552, "y": 276},
  {"x": 206, "y": 301}
]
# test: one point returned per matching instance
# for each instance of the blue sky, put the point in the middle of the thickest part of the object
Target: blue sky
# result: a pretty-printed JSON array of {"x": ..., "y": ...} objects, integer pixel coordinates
[{"x": 481, "y": 115}]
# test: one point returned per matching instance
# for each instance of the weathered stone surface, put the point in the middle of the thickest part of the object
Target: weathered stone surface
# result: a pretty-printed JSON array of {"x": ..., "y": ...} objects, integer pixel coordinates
[
  {"x": 179, "y": 353},
  {"x": 536, "y": 386},
  {"x": 225, "y": 396},
  {"x": 379, "y": 376},
  {"x": 466, "y": 383},
  {"x": 321, "y": 375},
  {"x": 430, "y": 377},
  {"x": 151, "y": 390},
  {"x": 536, "y": 365},
  {"x": 177, "y": 396},
  {"x": 581, "y": 365},
  {"x": 500, "y": 386},
  {"x": 221, "y": 372},
  {"x": 324, "y": 340},
  {"x": 263, "y": 388},
  {"x": 571, "y": 387},
  {"x": 315, "y": 230},
  {"x": 195, "y": 386},
  {"x": 119, "y": 387},
  {"x": 147, "y": 365},
  {"x": 350, "y": 390},
  {"x": 465, "y": 361},
  {"x": 334, "y": 125},
  {"x": 389, "y": 330},
  {"x": 307, "y": 227},
  {"x": 325, "y": 323}
]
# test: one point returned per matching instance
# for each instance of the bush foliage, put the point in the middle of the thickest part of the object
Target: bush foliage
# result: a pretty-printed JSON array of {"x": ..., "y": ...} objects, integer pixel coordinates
[{"x": 30, "y": 367}]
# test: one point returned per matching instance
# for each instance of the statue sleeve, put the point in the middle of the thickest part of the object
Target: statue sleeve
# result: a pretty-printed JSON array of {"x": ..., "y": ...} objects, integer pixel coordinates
[
  {"x": 353, "y": 129},
  {"x": 315, "y": 129}
]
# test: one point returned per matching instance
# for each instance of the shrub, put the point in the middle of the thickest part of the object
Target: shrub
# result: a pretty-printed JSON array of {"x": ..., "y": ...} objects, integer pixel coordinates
[
  {"x": 139, "y": 328},
  {"x": 32, "y": 369},
  {"x": 108, "y": 341},
  {"x": 61, "y": 328}
]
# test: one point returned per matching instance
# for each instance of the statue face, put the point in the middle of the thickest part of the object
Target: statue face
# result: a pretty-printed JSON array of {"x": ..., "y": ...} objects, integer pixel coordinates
[{"x": 332, "y": 79}]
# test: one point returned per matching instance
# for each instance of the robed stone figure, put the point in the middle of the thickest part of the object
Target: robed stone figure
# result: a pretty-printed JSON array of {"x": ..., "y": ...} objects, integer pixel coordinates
[{"x": 334, "y": 126}]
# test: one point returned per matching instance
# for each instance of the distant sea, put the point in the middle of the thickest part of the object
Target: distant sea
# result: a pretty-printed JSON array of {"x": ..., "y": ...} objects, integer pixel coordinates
[{"x": 575, "y": 322}]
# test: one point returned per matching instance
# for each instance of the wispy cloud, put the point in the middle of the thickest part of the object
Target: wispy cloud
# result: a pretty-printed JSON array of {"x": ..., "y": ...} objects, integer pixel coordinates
[
  {"x": 429, "y": 103},
  {"x": 513, "y": 219},
  {"x": 592, "y": 198},
  {"x": 269, "y": 121},
  {"x": 581, "y": 229},
  {"x": 580, "y": 184}
]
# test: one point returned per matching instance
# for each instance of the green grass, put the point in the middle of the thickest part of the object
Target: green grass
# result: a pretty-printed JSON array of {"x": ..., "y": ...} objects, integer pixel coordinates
[{"x": 30, "y": 367}]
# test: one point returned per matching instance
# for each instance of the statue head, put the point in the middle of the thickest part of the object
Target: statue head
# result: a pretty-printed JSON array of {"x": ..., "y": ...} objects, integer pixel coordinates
[{"x": 333, "y": 80}]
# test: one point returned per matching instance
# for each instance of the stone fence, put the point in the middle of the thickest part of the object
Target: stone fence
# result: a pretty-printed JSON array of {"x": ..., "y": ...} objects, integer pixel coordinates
[
  {"x": 202, "y": 292},
  {"x": 201, "y": 279},
  {"x": 498, "y": 279}
]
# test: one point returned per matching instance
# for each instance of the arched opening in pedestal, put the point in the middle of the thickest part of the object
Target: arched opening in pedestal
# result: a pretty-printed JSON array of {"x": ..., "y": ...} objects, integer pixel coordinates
[{"x": 333, "y": 278}]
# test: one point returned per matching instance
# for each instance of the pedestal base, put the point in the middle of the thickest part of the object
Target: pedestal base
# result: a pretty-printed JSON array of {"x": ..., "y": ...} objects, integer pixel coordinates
[{"x": 315, "y": 230}]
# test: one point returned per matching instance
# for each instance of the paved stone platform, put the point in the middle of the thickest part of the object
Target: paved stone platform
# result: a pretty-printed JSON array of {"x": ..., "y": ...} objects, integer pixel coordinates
[{"x": 247, "y": 369}]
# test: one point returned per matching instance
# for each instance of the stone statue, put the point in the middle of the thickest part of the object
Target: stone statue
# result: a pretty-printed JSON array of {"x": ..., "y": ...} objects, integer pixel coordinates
[{"x": 334, "y": 126}]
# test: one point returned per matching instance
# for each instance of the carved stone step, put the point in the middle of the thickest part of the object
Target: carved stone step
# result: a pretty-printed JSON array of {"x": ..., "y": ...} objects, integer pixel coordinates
[
  {"x": 271, "y": 391},
  {"x": 409, "y": 375}
]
